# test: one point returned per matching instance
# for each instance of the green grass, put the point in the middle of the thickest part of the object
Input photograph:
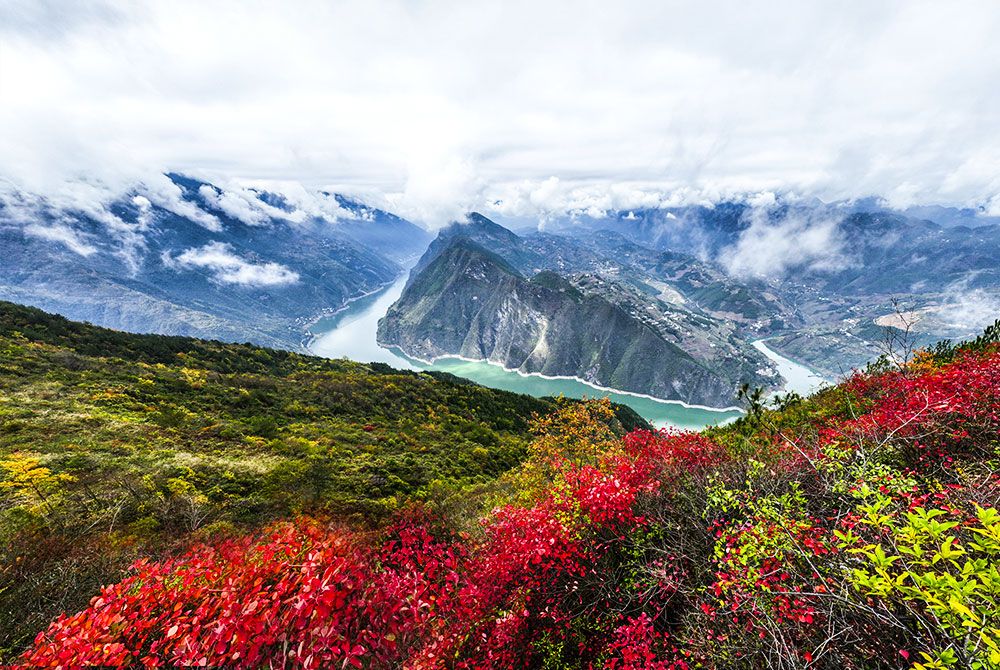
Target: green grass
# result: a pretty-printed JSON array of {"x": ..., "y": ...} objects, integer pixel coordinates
[{"x": 139, "y": 443}]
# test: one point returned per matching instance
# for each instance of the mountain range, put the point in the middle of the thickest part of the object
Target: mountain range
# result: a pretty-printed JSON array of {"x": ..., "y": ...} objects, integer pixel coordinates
[
  {"x": 542, "y": 303},
  {"x": 664, "y": 301},
  {"x": 201, "y": 261},
  {"x": 667, "y": 301}
]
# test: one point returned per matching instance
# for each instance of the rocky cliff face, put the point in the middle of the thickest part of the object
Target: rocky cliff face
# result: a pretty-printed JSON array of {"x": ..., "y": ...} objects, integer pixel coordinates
[
  {"x": 671, "y": 276},
  {"x": 470, "y": 302}
]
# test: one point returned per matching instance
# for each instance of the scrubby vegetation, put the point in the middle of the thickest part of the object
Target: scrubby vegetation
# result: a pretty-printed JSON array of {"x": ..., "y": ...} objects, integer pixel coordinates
[
  {"x": 116, "y": 446},
  {"x": 853, "y": 529}
]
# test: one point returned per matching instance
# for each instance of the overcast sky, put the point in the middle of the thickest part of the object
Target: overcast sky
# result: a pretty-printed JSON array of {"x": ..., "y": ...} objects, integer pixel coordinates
[{"x": 443, "y": 106}]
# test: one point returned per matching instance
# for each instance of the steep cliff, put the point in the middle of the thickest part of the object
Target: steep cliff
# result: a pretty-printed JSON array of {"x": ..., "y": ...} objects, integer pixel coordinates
[{"x": 470, "y": 302}]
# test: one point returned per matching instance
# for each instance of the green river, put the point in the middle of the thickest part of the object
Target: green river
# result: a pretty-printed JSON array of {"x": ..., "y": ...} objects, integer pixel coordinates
[{"x": 350, "y": 333}]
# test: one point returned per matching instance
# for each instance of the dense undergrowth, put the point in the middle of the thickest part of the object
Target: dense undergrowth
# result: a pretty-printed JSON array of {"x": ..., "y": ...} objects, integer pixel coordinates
[
  {"x": 856, "y": 528},
  {"x": 117, "y": 446}
]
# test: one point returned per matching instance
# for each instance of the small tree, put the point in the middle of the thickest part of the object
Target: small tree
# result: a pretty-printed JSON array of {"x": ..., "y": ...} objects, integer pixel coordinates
[
  {"x": 27, "y": 479},
  {"x": 577, "y": 433},
  {"x": 899, "y": 342},
  {"x": 754, "y": 401}
]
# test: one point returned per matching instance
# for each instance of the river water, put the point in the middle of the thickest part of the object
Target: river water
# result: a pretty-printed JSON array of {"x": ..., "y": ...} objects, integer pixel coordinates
[
  {"x": 798, "y": 378},
  {"x": 350, "y": 333}
]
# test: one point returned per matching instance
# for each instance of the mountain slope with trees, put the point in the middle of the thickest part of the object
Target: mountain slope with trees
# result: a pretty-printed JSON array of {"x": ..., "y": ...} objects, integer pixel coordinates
[
  {"x": 856, "y": 528},
  {"x": 604, "y": 310},
  {"x": 115, "y": 446},
  {"x": 470, "y": 302},
  {"x": 192, "y": 258}
]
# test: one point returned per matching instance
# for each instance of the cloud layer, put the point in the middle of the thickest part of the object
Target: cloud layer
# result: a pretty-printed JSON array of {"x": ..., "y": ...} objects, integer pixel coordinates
[
  {"x": 228, "y": 268},
  {"x": 533, "y": 107},
  {"x": 968, "y": 310},
  {"x": 62, "y": 234},
  {"x": 770, "y": 246}
]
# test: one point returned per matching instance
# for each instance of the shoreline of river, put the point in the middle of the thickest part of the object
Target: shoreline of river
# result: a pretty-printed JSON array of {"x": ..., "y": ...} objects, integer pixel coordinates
[
  {"x": 354, "y": 336},
  {"x": 308, "y": 337},
  {"x": 799, "y": 382},
  {"x": 598, "y": 387}
]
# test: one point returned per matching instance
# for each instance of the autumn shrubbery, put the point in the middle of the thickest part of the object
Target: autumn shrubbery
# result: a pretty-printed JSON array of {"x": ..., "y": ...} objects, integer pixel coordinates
[
  {"x": 853, "y": 529},
  {"x": 115, "y": 446}
]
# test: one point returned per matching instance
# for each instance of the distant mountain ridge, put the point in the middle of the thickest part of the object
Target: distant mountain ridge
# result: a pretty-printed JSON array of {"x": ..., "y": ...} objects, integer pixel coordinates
[
  {"x": 237, "y": 263},
  {"x": 816, "y": 279},
  {"x": 835, "y": 268},
  {"x": 875, "y": 242},
  {"x": 613, "y": 254},
  {"x": 252, "y": 266}
]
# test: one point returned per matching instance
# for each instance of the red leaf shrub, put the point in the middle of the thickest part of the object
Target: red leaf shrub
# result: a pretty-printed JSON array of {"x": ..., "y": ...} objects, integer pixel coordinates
[
  {"x": 301, "y": 592},
  {"x": 636, "y": 645},
  {"x": 678, "y": 451},
  {"x": 580, "y": 576},
  {"x": 939, "y": 412}
]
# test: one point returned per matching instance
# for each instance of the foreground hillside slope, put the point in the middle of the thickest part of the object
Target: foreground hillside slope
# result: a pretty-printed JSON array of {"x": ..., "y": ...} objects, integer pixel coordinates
[
  {"x": 115, "y": 445},
  {"x": 853, "y": 529}
]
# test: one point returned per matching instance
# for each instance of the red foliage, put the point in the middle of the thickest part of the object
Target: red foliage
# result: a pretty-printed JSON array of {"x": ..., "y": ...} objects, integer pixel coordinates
[
  {"x": 638, "y": 646},
  {"x": 302, "y": 592},
  {"x": 307, "y": 595},
  {"x": 526, "y": 579},
  {"x": 940, "y": 412},
  {"x": 677, "y": 451},
  {"x": 314, "y": 596}
]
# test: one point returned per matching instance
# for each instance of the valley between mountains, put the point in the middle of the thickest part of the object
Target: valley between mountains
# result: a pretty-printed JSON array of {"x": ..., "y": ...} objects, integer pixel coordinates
[
  {"x": 664, "y": 303},
  {"x": 212, "y": 501}
]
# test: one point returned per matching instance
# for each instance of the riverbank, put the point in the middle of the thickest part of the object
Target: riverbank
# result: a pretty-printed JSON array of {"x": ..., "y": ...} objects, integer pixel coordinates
[
  {"x": 437, "y": 360},
  {"x": 352, "y": 334},
  {"x": 798, "y": 377},
  {"x": 309, "y": 337}
]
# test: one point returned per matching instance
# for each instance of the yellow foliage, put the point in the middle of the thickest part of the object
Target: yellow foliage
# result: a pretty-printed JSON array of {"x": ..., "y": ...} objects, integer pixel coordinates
[
  {"x": 923, "y": 361},
  {"x": 577, "y": 433},
  {"x": 194, "y": 377},
  {"x": 24, "y": 472},
  {"x": 28, "y": 479}
]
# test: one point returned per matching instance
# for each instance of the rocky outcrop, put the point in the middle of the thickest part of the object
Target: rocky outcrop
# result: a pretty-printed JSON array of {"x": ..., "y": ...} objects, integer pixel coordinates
[{"x": 470, "y": 302}]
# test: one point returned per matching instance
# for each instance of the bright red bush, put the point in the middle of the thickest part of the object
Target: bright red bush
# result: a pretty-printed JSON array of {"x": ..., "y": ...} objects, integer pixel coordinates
[
  {"x": 567, "y": 577},
  {"x": 679, "y": 451},
  {"x": 941, "y": 412},
  {"x": 317, "y": 596},
  {"x": 637, "y": 645},
  {"x": 302, "y": 592}
]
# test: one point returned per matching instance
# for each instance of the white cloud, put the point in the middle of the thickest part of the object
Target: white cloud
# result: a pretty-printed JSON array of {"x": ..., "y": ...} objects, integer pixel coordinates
[
  {"x": 62, "y": 234},
  {"x": 229, "y": 268},
  {"x": 968, "y": 310},
  {"x": 304, "y": 203},
  {"x": 992, "y": 207},
  {"x": 145, "y": 207},
  {"x": 439, "y": 189},
  {"x": 168, "y": 195},
  {"x": 553, "y": 197},
  {"x": 48, "y": 19},
  {"x": 74, "y": 199},
  {"x": 441, "y": 107},
  {"x": 770, "y": 246},
  {"x": 234, "y": 205}
]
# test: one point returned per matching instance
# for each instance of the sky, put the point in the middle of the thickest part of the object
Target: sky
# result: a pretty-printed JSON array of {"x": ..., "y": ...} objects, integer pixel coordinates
[{"x": 527, "y": 108}]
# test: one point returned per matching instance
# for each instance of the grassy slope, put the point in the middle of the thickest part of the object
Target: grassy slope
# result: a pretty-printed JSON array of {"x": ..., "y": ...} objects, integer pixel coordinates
[
  {"x": 125, "y": 444},
  {"x": 852, "y": 529}
]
